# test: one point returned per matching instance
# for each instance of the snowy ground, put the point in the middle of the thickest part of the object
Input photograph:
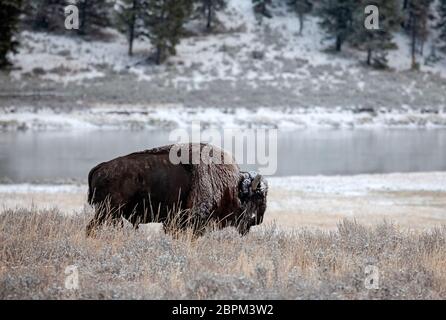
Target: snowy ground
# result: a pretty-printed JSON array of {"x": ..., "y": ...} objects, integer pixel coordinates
[
  {"x": 171, "y": 116},
  {"x": 203, "y": 58},
  {"x": 415, "y": 201},
  {"x": 245, "y": 65}
]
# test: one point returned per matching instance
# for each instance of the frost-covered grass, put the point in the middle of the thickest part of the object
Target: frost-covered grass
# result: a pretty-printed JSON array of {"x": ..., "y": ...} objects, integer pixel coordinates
[{"x": 36, "y": 247}]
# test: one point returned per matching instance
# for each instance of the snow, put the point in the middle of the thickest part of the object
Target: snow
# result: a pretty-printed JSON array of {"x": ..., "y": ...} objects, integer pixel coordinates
[
  {"x": 27, "y": 188},
  {"x": 344, "y": 185},
  {"x": 203, "y": 58},
  {"x": 414, "y": 200},
  {"x": 362, "y": 184},
  {"x": 151, "y": 117},
  {"x": 401, "y": 59},
  {"x": 65, "y": 59},
  {"x": 411, "y": 200}
]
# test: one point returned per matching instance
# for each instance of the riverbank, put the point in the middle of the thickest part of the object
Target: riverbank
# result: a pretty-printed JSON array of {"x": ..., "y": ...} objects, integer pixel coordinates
[
  {"x": 165, "y": 116},
  {"x": 412, "y": 200}
]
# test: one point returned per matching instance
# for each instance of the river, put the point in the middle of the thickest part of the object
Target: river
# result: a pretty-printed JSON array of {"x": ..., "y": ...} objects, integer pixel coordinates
[{"x": 49, "y": 155}]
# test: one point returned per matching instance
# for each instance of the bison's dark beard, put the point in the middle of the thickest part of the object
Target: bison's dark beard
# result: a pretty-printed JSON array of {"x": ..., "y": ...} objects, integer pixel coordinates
[{"x": 253, "y": 211}]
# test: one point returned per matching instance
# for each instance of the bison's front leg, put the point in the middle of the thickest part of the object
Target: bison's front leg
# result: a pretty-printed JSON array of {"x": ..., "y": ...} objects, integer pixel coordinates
[
  {"x": 185, "y": 221},
  {"x": 174, "y": 231},
  {"x": 243, "y": 229},
  {"x": 244, "y": 222}
]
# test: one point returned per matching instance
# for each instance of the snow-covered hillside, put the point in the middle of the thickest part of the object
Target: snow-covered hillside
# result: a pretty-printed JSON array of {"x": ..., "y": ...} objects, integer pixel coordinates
[
  {"x": 270, "y": 74},
  {"x": 244, "y": 51}
]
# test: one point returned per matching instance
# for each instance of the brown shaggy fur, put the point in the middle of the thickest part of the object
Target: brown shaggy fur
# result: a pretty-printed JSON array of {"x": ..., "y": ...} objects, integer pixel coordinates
[{"x": 147, "y": 187}]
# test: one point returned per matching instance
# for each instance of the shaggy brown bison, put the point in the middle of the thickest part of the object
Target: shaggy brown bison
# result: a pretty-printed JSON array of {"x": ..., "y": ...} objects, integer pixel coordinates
[{"x": 148, "y": 187}]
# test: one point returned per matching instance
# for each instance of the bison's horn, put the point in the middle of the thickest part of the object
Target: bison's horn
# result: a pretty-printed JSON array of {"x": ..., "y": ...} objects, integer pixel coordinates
[{"x": 255, "y": 182}]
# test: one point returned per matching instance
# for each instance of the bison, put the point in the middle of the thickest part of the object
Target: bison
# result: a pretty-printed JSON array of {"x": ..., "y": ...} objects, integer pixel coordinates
[{"x": 148, "y": 187}]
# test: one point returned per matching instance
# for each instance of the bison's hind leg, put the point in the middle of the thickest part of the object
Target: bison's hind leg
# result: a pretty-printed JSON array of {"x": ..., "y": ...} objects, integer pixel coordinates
[
  {"x": 135, "y": 220},
  {"x": 104, "y": 213},
  {"x": 138, "y": 215},
  {"x": 183, "y": 222},
  {"x": 94, "y": 225},
  {"x": 95, "y": 222}
]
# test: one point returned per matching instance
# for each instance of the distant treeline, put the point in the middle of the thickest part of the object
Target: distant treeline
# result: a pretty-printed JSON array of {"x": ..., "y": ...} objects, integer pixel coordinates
[{"x": 162, "y": 22}]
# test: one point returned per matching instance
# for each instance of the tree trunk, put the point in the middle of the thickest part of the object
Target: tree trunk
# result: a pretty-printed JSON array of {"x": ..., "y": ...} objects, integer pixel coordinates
[
  {"x": 132, "y": 27},
  {"x": 209, "y": 15},
  {"x": 338, "y": 43},
  {"x": 264, "y": 11},
  {"x": 131, "y": 37},
  {"x": 40, "y": 20},
  {"x": 301, "y": 23},
  {"x": 158, "y": 55},
  {"x": 405, "y": 4},
  {"x": 414, "y": 42},
  {"x": 83, "y": 18},
  {"x": 369, "y": 56}
]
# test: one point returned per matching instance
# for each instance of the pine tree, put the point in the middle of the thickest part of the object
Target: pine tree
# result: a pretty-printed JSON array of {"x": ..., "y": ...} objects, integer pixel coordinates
[
  {"x": 131, "y": 20},
  {"x": 441, "y": 25},
  {"x": 208, "y": 9},
  {"x": 301, "y": 7},
  {"x": 44, "y": 15},
  {"x": 9, "y": 16},
  {"x": 93, "y": 16},
  {"x": 337, "y": 20},
  {"x": 417, "y": 15},
  {"x": 376, "y": 43},
  {"x": 164, "y": 21},
  {"x": 261, "y": 9}
]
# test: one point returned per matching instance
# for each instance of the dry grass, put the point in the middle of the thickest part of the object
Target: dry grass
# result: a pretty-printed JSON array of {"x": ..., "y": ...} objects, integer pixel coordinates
[{"x": 269, "y": 263}]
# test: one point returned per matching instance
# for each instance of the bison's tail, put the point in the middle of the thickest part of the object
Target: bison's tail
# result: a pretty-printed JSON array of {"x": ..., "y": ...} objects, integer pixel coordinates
[{"x": 90, "y": 188}]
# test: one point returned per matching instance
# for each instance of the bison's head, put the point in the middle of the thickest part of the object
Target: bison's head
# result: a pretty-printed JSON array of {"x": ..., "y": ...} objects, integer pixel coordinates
[{"x": 253, "y": 190}]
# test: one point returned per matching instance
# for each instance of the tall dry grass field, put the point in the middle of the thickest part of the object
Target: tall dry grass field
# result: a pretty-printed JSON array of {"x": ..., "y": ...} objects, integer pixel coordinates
[{"x": 36, "y": 248}]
